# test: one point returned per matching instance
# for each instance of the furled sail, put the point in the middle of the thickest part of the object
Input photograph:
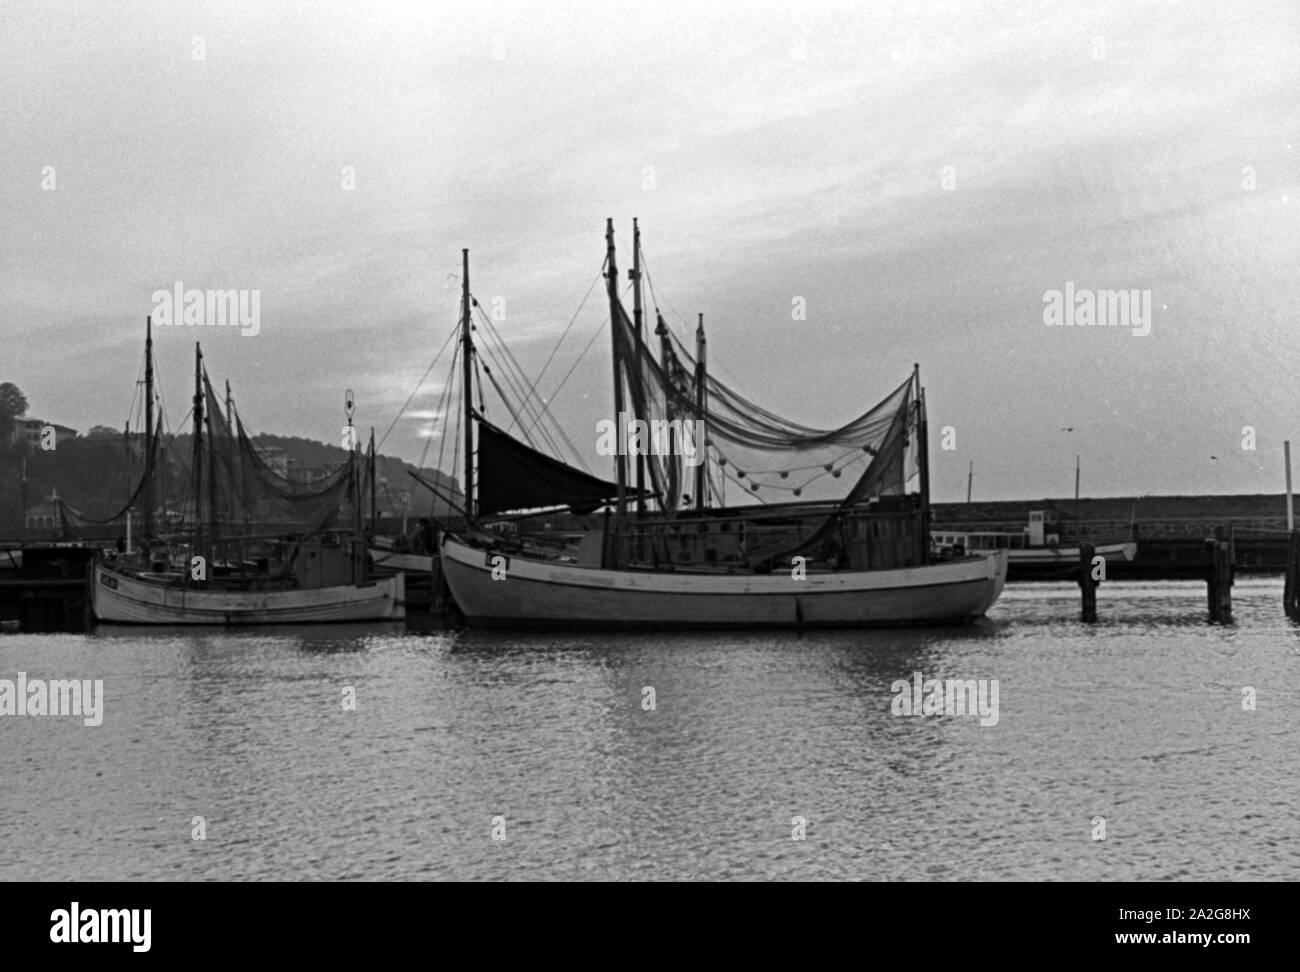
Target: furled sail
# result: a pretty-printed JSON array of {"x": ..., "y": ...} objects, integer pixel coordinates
[{"x": 514, "y": 476}]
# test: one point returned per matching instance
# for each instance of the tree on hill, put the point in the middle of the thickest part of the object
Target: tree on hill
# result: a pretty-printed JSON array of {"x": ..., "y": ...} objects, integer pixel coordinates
[{"x": 13, "y": 405}]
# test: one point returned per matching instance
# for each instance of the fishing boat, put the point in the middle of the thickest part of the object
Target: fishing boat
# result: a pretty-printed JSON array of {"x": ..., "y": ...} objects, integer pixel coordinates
[
  {"x": 125, "y": 597},
  {"x": 669, "y": 551},
  {"x": 240, "y": 505}
]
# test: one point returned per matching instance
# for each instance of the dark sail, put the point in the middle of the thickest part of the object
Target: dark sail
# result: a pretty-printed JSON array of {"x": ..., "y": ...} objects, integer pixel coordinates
[{"x": 513, "y": 476}]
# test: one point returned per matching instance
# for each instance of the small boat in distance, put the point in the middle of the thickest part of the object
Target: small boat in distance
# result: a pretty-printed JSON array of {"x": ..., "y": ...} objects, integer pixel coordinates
[{"x": 1035, "y": 548}]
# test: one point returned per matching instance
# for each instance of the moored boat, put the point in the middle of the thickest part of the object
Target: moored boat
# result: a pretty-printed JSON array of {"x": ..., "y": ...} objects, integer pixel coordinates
[
  {"x": 541, "y": 593},
  {"x": 120, "y": 596},
  {"x": 857, "y": 560},
  {"x": 321, "y": 575}
]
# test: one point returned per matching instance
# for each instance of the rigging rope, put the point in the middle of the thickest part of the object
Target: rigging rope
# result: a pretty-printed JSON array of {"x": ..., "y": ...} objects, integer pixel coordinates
[
  {"x": 417, "y": 387},
  {"x": 541, "y": 374}
]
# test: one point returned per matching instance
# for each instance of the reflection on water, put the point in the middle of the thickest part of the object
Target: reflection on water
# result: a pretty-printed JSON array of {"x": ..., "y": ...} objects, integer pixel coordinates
[{"x": 1138, "y": 718}]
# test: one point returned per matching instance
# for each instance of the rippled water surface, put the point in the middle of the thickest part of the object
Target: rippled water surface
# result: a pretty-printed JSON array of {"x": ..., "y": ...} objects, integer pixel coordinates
[{"x": 1138, "y": 718}]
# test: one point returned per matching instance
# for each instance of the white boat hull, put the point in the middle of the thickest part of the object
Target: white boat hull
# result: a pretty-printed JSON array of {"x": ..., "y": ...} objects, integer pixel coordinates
[
  {"x": 119, "y": 597},
  {"x": 1069, "y": 556},
  {"x": 538, "y": 592}
]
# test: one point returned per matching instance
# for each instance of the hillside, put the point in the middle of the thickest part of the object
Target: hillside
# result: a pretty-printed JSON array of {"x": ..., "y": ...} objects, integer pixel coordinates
[{"x": 97, "y": 475}]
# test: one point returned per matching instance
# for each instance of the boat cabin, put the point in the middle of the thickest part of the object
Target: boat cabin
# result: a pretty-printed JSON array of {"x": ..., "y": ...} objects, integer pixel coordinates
[
  {"x": 882, "y": 536},
  {"x": 1043, "y": 530}
]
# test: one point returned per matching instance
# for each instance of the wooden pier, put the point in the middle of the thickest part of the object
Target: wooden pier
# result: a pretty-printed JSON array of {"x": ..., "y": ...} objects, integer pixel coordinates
[{"x": 51, "y": 590}]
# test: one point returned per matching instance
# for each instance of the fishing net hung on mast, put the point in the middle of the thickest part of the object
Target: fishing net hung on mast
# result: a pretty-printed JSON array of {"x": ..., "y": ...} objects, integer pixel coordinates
[
  {"x": 769, "y": 457},
  {"x": 246, "y": 494}
]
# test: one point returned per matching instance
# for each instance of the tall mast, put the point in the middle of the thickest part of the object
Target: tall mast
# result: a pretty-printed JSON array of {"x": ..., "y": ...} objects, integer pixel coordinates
[
  {"x": 923, "y": 463},
  {"x": 467, "y": 379},
  {"x": 148, "y": 429},
  {"x": 1076, "y": 488},
  {"x": 615, "y": 322},
  {"x": 212, "y": 487},
  {"x": 197, "y": 463},
  {"x": 372, "y": 479},
  {"x": 701, "y": 406},
  {"x": 635, "y": 276},
  {"x": 357, "y": 549}
]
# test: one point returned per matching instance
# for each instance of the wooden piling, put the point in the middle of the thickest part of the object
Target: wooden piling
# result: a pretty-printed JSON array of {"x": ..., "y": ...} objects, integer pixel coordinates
[
  {"x": 1291, "y": 590},
  {"x": 1219, "y": 570},
  {"x": 1087, "y": 584}
]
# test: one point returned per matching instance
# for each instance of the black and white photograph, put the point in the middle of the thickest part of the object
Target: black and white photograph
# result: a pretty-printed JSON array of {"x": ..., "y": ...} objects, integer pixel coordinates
[{"x": 687, "y": 442}]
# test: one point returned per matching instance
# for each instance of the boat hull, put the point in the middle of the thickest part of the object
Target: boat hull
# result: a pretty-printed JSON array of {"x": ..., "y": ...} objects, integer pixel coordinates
[
  {"x": 544, "y": 593},
  {"x": 118, "y": 597},
  {"x": 1059, "y": 556}
]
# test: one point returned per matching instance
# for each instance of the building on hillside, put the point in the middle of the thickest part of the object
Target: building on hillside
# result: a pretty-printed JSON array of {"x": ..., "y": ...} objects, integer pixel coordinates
[{"x": 28, "y": 431}]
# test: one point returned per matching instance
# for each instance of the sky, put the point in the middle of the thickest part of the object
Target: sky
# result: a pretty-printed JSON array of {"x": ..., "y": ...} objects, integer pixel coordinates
[{"x": 920, "y": 177}]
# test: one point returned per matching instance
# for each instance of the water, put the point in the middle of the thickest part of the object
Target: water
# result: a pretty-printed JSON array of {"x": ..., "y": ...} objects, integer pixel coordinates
[{"x": 1138, "y": 718}]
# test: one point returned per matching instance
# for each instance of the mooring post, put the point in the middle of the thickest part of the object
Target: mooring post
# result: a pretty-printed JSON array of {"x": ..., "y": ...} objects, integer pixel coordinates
[
  {"x": 1291, "y": 591},
  {"x": 88, "y": 610},
  {"x": 1223, "y": 583},
  {"x": 1291, "y": 588},
  {"x": 1087, "y": 583},
  {"x": 1211, "y": 579},
  {"x": 1219, "y": 568}
]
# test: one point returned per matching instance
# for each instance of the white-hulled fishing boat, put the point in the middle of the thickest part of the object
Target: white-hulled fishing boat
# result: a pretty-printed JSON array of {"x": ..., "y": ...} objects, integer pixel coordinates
[
  {"x": 541, "y": 593},
  {"x": 860, "y": 560},
  {"x": 119, "y": 596},
  {"x": 233, "y": 487}
]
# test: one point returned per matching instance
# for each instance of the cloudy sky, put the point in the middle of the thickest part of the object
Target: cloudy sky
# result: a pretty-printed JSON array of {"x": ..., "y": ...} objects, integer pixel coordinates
[{"x": 920, "y": 174}]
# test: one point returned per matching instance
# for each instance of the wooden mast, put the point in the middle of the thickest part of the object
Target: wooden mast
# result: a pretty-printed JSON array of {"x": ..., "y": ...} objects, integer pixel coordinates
[
  {"x": 197, "y": 460},
  {"x": 701, "y": 408},
  {"x": 923, "y": 463},
  {"x": 148, "y": 430},
  {"x": 467, "y": 380},
  {"x": 212, "y": 490},
  {"x": 620, "y": 460},
  {"x": 635, "y": 276}
]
